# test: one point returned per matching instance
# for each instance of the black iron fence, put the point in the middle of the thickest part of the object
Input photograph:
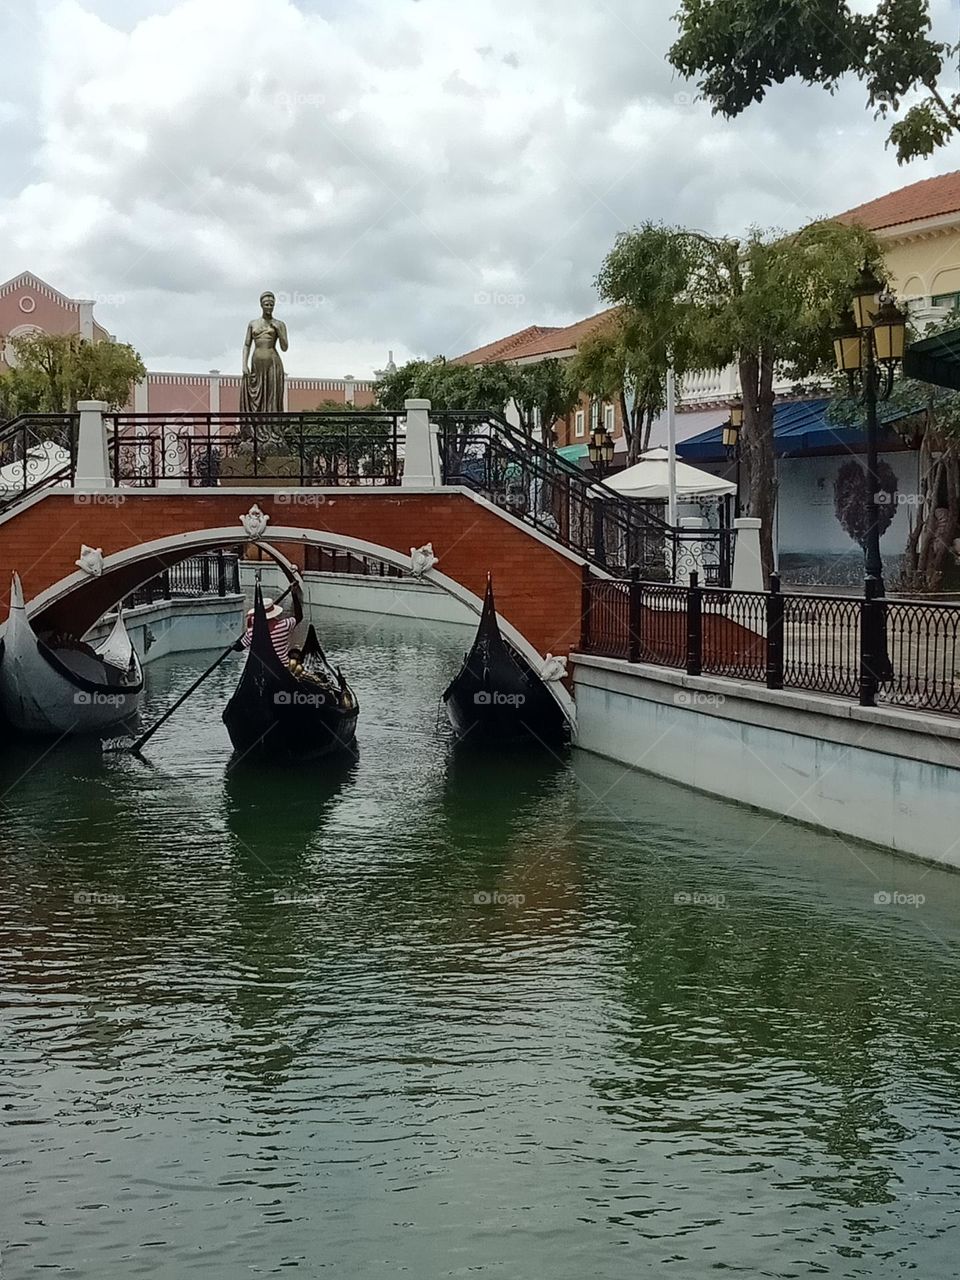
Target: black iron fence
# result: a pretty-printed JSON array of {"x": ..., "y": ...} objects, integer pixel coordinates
[
  {"x": 213, "y": 574},
  {"x": 903, "y": 653},
  {"x": 37, "y": 450},
  {"x": 483, "y": 452},
  {"x": 322, "y": 560},
  {"x": 235, "y": 449}
]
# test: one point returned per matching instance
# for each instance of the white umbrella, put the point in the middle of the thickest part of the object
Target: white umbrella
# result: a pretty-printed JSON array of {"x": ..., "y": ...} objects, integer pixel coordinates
[{"x": 649, "y": 478}]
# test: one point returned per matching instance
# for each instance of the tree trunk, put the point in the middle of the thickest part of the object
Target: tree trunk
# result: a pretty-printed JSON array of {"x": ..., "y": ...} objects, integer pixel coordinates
[
  {"x": 629, "y": 434},
  {"x": 756, "y": 383},
  {"x": 648, "y": 427},
  {"x": 934, "y": 528}
]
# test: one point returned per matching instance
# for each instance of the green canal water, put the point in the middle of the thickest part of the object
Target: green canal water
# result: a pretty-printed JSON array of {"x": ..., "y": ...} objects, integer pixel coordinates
[{"x": 434, "y": 1017}]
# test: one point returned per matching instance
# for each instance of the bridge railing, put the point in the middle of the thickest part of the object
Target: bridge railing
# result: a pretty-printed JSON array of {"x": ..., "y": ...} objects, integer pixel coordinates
[
  {"x": 302, "y": 449},
  {"x": 37, "y": 451},
  {"x": 214, "y": 573},
  {"x": 486, "y": 453}
]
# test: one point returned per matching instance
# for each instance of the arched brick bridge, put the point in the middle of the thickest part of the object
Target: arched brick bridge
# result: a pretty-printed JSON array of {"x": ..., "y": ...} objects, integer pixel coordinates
[{"x": 538, "y": 584}]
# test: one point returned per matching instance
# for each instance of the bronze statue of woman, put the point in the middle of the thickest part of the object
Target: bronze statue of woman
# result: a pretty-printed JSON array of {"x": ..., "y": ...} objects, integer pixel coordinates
[{"x": 261, "y": 387}]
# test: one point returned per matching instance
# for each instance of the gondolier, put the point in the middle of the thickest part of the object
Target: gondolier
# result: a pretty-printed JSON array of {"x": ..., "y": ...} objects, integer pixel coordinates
[{"x": 282, "y": 626}]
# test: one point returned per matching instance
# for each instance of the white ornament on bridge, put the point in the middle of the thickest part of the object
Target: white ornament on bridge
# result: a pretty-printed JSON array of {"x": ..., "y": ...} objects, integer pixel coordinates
[
  {"x": 553, "y": 668},
  {"x": 255, "y": 523},
  {"x": 91, "y": 560},
  {"x": 422, "y": 559}
]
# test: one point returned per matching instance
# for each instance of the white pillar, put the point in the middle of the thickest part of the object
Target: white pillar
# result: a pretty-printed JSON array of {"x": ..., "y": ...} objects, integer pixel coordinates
[
  {"x": 421, "y": 462},
  {"x": 214, "y": 390},
  {"x": 349, "y": 388},
  {"x": 93, "y": 459},
  {"x": 747, "y": 564},
  {"x": 141, "y": 396}
]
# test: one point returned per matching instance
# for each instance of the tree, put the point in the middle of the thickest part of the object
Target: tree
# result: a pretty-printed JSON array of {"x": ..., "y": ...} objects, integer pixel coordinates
[
  {"x": 55, "y": 371},
  {"x": 767, "y": 303},
  {"x": 543, "y": 390},
  {"x": 626, "y": 362},
  {"x": 467, "y": 387},
  {"x": 851, "y": 500},
  {"x": 738, "y": 48}
]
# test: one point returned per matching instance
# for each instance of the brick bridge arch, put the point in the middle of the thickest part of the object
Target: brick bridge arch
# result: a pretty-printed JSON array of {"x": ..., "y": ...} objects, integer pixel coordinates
[{"x": 538, "y": 584}]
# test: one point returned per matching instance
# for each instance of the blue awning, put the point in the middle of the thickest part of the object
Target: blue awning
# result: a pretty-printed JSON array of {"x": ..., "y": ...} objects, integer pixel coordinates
[{"x": 799, "y": 427}]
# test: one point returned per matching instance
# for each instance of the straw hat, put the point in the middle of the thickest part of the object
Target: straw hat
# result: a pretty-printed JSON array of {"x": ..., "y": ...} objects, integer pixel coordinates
[{"x": 272, "y": 610}]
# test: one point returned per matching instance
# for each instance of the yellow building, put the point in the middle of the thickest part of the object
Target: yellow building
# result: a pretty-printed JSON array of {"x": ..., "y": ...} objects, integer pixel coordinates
[{"x": 919, "y": 228}]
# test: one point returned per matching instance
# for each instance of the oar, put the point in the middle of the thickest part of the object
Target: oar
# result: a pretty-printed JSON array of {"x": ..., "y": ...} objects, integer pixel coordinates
[{"x": 134, "y": 747}]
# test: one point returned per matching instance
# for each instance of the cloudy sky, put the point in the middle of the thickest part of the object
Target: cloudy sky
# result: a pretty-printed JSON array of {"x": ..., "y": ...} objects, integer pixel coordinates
[{"x": 421, "y": 175}]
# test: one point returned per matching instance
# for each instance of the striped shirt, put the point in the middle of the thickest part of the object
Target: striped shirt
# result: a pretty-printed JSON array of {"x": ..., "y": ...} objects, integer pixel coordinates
[{"x": 280, "y": 632}]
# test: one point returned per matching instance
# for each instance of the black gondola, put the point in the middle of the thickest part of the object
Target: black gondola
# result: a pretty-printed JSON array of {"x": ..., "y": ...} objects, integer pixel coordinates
[
  {"x": 277, "y": 712},
  {"x": 497, "y": 699}
]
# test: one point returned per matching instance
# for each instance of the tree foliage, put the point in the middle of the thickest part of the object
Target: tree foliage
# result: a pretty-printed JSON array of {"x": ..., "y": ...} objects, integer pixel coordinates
[
  {"x": 851, "y": 499},
  {"x": 767, "y": 304},
  {"x": 544, "y": 391},
  {"x": 737, "y": 49},
  {"x": 470, "y": 387},
  {"x": 56, "y": 371}
]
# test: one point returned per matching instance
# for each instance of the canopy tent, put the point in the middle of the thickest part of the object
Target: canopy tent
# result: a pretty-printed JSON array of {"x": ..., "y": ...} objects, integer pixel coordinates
[
  {"x": 43, "y": 460},
  {"x": 648, "y": 478},
  {"x": 935, "y": 359}
]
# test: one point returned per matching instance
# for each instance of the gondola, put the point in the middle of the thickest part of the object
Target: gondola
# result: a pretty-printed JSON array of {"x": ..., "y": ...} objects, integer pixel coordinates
[
  {"x": 277, "y": 713},
  {"x": 497, "y": 699},
  {"x": 56, "y": 685}
]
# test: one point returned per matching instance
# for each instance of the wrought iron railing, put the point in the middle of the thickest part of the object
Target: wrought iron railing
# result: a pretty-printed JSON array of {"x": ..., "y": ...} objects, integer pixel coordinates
[
  {"x": 903, "y": 653},
  {"x": 37, "y": 450},
  {"x": 225, "y": 449},
  {"x": 324, "y": 560},
  {"x": 213, "y": 574},
  {"x": 484, "y": 452}
]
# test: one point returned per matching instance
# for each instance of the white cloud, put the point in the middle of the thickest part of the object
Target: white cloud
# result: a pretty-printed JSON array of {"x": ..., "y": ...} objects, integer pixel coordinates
[{"x": 391, "y": 161}]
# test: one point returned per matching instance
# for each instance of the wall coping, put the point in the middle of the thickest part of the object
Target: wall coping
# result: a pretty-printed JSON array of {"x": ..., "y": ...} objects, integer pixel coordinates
[{"x": 916, "y": 735}]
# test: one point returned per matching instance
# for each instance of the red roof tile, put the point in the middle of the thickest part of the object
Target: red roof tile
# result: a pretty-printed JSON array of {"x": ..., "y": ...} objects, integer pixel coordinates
[
  {"x": 538, "y": 340},
  {"x": 927, "y": 199}
]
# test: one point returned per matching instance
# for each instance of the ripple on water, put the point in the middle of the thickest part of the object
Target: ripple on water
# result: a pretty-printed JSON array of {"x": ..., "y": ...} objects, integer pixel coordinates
[{"x": 292, "y": 1028}]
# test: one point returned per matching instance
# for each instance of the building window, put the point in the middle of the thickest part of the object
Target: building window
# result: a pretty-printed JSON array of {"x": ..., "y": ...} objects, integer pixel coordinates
[
  {"x": 951, "y": 300},
  {"x": 594, "y": 415},
  {"x": 608, "y": 418},
  {"x": 578, "y": 424}
]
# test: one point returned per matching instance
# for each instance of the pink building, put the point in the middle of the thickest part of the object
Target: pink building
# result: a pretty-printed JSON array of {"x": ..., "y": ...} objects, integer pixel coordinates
[{"x": 30, "y": 305}]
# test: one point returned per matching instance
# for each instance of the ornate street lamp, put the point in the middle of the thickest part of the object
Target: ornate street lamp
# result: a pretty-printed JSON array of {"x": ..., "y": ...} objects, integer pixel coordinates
[
  {"x": 600, "y": 450},
  {"x": 730, "y": 434},
  {"x": 868, "y": 346},
  {"x": 600, "y": 453}
]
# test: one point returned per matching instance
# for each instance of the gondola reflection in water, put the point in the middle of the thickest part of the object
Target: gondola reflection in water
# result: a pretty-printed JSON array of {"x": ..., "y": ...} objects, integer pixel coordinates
[
  {"x": 278, "y": 712},
  {"x": 497, "y": 699}
]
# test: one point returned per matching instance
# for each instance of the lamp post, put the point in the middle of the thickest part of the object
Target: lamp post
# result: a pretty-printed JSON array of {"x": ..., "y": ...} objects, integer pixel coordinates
[
  {"x": 600, "y": 452},
  {"x": 731, "y": 443},
  {"x": 868, "y": 347}
]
